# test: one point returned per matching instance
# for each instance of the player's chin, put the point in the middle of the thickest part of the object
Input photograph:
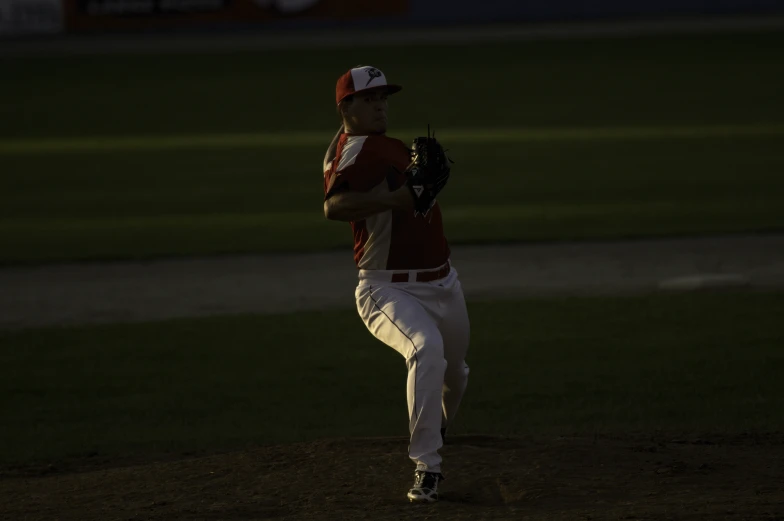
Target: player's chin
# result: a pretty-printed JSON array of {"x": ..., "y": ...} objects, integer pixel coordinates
[{"x": 380, "y": 126}]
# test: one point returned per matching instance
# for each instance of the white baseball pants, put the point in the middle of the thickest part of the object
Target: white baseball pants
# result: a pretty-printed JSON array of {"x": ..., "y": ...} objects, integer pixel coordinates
[{"x": 427, "y": 323}]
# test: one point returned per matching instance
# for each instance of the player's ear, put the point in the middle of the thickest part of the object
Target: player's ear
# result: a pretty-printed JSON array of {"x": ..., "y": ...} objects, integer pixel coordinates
[
  {"x": 344, "y": 105},
  {"x": 342, "y": 109}
]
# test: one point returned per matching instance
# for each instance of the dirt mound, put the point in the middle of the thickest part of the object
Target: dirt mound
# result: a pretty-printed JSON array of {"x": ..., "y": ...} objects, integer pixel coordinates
[{"x": 487, "y": 478}]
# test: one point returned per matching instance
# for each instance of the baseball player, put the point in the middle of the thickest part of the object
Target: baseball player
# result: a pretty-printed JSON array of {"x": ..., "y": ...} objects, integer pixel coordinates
[{"x": 408, "y": 293}]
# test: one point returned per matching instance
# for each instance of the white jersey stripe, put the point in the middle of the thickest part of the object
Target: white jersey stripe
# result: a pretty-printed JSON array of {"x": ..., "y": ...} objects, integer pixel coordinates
[
  {"x": 350, "y": 151},
  {"x": 379, "y": 241}
]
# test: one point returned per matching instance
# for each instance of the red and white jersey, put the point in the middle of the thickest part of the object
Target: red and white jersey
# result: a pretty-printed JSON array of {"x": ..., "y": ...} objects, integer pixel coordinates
[{"x": 394, "y": 239}]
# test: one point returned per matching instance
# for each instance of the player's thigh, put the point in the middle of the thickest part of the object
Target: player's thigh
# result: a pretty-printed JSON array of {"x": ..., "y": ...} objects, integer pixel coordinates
[
  {"x": 456, "y": 327},
  {"x": 398, "y": 319}
]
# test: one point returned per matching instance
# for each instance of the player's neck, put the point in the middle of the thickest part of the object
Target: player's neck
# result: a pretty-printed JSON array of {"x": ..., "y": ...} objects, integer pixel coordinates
[{"x": 352, "y": 131}]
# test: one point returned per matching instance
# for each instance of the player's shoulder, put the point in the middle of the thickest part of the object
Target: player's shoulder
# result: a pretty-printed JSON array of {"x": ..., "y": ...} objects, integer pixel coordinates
[
  {"x": 353, "y": 144},
  {"x": 387, "y": 147},
  {"x": 367, "y": 149},
  {"x": 350, "y": 147},
  {"x": 388, "y": 142},
  {"x": 371, "y": 142}
]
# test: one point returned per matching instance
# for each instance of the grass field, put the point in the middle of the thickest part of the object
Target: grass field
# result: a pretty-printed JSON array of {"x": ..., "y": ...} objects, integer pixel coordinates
[
  {"x": 138, "y": 156},
  {"x": 681, "y": 363},
  {"x": 684, "y": 80},
  {"x": 112, "y": 157}
]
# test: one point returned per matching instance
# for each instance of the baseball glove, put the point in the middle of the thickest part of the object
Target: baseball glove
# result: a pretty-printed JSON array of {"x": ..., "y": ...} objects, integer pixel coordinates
[{"x": 428, "y": 172}]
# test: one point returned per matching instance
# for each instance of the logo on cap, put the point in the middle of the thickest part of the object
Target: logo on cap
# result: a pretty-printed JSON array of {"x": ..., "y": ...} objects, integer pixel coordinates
[{"x": 373, "y": 73}]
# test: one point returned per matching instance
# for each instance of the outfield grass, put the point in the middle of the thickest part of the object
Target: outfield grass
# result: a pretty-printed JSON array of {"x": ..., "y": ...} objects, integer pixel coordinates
[
  {"x": 115, "y": 204},
  {"x": 688, "y": 80},
  {"x": 138, "y": 156},
  {"x": 692, "y": 363}
]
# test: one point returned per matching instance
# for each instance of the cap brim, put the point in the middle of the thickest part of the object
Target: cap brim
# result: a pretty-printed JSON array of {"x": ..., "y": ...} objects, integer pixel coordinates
[{"x": 390, "y": 89}]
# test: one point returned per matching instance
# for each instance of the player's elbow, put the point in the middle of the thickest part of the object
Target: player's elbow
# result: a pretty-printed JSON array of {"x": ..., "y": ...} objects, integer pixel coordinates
[
  {"x": 336, "y": 209},
  {"x": 331, "y": 210}
]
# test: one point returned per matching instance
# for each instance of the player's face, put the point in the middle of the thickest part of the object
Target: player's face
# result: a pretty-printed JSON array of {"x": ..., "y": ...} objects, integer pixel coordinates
[{"x": 367, "y": 114}]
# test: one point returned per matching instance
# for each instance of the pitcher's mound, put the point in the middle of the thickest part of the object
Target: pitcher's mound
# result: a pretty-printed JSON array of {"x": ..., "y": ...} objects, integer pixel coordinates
[{"x": 486, "y": 478}]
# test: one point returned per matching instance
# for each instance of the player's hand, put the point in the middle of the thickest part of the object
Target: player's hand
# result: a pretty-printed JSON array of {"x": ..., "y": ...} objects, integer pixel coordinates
[{"x": 428, "y": 172}]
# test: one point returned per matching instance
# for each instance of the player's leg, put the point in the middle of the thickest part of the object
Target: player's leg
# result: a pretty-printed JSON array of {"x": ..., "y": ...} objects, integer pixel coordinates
[
  {"x": 398, "y": 319},
  {"x": 456, "y": 331}
]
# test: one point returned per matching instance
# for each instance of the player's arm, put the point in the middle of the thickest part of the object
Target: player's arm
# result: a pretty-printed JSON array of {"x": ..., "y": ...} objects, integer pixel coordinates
[
  {"x": 356, "y": 206},
  {"x": 332, "y": 149}
]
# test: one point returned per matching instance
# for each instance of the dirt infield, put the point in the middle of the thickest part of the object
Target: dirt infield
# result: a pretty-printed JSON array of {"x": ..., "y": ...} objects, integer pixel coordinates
[
  {"x": 144, "y": 291},
  {"x": 736, "y": 478}
]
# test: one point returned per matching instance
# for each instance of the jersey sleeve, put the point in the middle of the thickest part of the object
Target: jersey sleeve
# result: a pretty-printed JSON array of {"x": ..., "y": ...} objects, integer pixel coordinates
[{"x": 361, "y": 174}]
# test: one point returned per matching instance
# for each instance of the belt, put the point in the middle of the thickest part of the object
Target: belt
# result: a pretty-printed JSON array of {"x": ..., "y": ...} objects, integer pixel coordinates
[{"x": 424, "y": 276}]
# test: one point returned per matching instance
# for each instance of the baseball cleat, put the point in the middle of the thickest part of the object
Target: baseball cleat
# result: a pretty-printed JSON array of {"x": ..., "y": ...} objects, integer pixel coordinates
[{"x": 425, "y": 489}]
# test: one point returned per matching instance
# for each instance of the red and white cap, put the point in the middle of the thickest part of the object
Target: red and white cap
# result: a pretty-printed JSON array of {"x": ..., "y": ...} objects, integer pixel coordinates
[{"x": 361, "y": 79}]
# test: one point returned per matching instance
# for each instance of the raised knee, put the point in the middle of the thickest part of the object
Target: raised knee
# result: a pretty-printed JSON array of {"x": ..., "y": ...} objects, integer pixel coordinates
[{"x": 456, "y": 375}]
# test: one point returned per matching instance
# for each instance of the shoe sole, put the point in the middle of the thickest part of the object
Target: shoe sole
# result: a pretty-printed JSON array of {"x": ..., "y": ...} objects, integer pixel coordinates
[{"x": 420, "y": 499}]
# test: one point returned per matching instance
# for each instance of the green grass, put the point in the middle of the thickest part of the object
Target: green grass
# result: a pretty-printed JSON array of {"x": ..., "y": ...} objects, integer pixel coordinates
[
  {"x": 689, "y": 80},
  {"x": 158, "y": 202},
  {"x": 139, "y": 156},
  {"x": 695, "y": 363},
  {"x": 493, "y": 135}
]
